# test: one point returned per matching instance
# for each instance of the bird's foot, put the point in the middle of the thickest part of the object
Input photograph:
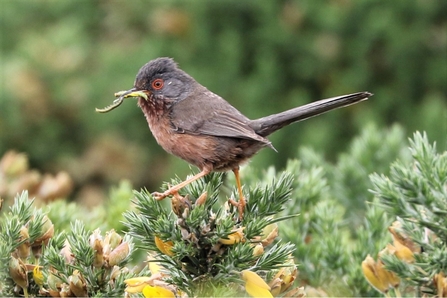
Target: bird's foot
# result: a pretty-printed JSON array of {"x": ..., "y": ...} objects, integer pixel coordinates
[
  {"x": 161, "y": 195},
  {"x": 171, "y": 191},
  {"x": 239, "y": 205},
  {"x": 174, "y": 189}
]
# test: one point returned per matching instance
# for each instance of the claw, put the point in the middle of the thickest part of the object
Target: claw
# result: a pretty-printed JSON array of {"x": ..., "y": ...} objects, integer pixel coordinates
[{"x": 160, "y": 196}]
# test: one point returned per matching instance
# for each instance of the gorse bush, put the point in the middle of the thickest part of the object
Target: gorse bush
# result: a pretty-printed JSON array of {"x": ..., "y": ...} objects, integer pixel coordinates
[
  {"x": 192, "y": 249},
  {"x": 298, "y": 235},
  {"x": 205, "y": 248},
  {"x": 415, "y": 195}
]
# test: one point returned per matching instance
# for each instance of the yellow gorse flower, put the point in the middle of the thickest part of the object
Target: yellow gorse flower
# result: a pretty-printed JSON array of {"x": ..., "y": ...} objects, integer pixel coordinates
[
  {"x": 399, "y": 236},
  {"x": 235, "y": 237},
  {"x": 401, "y": 251},
  {"x": 136, "y": 284},
  {"x": 441, "y": 284},
  {"x": 377, "y": 276},
  {"x": 38, "y": 276},
  {"x": 150, "y": 291},
  {"x": 145, "y": 285},
  {"x": 255, "y": 285},
  {"x": 164, "y": 247}
]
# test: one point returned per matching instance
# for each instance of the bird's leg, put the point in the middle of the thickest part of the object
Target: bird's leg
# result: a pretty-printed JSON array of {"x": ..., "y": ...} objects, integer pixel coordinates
[
  {"x": 172, "y": 190},
  {"x": 241, "y": 204}
]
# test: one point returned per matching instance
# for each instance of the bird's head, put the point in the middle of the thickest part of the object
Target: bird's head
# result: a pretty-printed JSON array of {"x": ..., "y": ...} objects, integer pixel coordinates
[{"x": 158, "y": 80}]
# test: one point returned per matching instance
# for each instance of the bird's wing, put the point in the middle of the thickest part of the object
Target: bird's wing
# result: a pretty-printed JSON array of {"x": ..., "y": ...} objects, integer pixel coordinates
[{"x": 209, "y": 114}]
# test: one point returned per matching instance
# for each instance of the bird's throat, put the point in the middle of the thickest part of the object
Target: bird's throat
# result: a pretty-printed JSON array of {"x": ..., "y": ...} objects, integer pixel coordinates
[{"x": 153, "y": 108}]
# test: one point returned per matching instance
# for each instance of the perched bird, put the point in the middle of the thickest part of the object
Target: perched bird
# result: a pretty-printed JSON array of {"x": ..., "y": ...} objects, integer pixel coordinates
[{"x": 195, "y": 124}]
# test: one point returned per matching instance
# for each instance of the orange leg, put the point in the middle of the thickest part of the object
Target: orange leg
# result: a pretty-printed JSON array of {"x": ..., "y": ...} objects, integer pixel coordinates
[
  {"x": 176, "y": 188},
  {"x": 241, "y": 204}
]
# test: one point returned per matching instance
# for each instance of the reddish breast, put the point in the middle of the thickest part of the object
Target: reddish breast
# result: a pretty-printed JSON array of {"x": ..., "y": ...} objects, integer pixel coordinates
[{"x": 185, "y": 146}]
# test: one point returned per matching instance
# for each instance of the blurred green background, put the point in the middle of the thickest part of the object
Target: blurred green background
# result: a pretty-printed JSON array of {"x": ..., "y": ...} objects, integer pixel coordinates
[{"x": 61, "y": 59}]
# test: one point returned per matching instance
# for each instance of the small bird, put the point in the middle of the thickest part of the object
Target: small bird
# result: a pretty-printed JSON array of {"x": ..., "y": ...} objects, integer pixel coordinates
[{"x": 195, "y": 124}]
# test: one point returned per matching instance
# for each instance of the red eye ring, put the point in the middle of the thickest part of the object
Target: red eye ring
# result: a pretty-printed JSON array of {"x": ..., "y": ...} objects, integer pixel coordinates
[{"x": 157, "y": 84}]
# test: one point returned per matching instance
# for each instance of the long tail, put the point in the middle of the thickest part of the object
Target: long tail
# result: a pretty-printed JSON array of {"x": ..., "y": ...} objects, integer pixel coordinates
[{"x": 267, "y": 125}]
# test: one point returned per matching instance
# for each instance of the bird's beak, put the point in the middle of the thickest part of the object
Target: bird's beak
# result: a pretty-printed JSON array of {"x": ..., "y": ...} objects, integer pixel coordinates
[
  {"x": 121, "y": 96},
  {"x": 132, "y": 93}
]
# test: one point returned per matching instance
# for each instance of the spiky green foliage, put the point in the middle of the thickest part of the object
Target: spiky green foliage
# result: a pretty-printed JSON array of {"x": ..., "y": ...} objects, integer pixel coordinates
[
  {"x": 415, "y": 194},
  {"x": 76, "y": 262},
  {"x": 89, "y": 254},
  {"x": 203, "y": 246},
  {"x": 197, "y": 257},
  {"x": 20, "y": 229},
  {"x": 337, "y": 223}
]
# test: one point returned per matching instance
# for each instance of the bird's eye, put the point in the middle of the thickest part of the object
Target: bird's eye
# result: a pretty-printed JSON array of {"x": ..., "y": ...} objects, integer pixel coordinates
[{"x": 157, "y": 84}]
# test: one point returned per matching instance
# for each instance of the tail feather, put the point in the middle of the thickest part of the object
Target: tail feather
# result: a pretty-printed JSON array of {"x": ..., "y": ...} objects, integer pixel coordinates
[{"x": 267, "y": 125}]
